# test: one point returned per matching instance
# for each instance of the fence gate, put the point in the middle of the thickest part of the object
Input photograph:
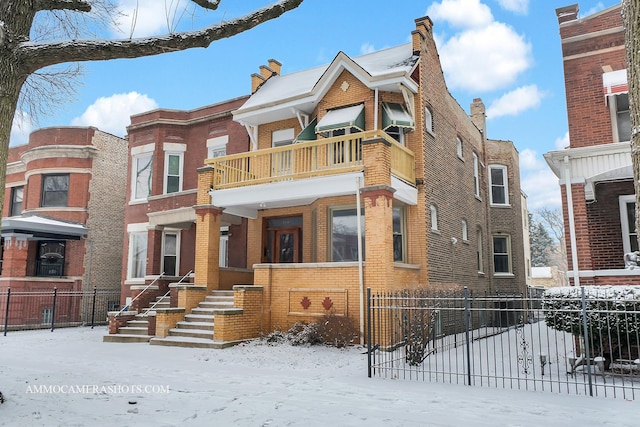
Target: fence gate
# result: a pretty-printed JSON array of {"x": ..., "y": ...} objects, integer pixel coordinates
[{"x": 503, "y": 341}]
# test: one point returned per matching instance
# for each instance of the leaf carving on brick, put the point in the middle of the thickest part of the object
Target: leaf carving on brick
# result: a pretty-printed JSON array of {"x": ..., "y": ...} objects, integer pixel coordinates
[
  {"x": 327, "y": 303},
  {"x": 306, "y": 302}
]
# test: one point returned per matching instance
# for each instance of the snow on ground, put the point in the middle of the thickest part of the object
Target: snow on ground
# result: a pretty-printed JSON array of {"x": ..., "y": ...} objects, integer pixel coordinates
[{"x": 69, "y": 377}]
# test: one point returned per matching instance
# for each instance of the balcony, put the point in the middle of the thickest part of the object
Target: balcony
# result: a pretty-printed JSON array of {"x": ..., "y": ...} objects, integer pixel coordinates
[{"x": 321, "y": 158}]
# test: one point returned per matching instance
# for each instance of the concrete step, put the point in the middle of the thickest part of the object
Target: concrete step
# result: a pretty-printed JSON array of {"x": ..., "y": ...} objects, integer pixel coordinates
[
  {"x": 133, "y": 330},
  {"x": 192, "y": 342},
  {"x": 216, "y": 304},
  {"x": 199, "y": 318},
  {"x": 191, "y": 333},
  {"x": 138, "y": 323},
  {"x": 195, "y": 325},
  {"x": 200, "y": 310},
  {"x": 126, "y": 338}
]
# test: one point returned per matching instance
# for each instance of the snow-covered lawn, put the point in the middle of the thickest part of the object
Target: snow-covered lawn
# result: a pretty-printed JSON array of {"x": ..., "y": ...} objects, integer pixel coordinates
[{"x": 69, "y": 377}]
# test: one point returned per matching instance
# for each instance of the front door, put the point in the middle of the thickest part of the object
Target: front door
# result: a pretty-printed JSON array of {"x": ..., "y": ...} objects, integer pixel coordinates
[
  {"x": 282, "y": 240},
  {"x": 286, "y": 249}
]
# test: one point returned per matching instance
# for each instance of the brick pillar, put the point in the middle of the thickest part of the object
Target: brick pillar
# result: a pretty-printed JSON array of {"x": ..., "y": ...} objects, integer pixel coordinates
[
  {"x": 154, "y": 250},
  {"x": 16, "y": 249},
  {"x": 207, "y": 260}
]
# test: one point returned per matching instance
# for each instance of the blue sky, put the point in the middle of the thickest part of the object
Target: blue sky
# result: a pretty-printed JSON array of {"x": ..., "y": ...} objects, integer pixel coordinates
[{"x": 506, "y": 52}]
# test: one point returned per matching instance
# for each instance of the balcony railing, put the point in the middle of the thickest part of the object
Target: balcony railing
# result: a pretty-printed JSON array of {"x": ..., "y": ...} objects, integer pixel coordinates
[{"x": 326, "y": 156}]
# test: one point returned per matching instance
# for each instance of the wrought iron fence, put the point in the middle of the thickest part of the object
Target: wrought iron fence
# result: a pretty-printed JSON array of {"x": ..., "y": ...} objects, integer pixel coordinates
[
  {"x": 22, "y": 310},
  {"x": 576, "y": 344}
]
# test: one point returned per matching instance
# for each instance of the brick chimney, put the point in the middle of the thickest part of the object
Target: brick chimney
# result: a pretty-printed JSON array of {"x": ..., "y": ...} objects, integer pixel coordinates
[
  {"x": 567, "y": 13},
  {"x": 424, "y": 27},
  {"x": 479, "y": 116},
  {"x": 256, "y": 82},
  {"x": 266, "y": 72},
  {"x": 275, "y": 66}
]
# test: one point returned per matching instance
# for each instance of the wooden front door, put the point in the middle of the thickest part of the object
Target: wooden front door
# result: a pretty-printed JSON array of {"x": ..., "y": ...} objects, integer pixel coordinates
[{"x": 282, "y": 240}]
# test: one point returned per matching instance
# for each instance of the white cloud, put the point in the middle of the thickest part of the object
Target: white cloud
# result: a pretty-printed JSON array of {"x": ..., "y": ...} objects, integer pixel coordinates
[
  {"x": 515, "y": 102},
  {"x": 562, "y": 142},
  {"x": 147, "y": 17},
  {"x": 484, "y": 59},
  {"x": 366, "y": 48},
  {"x": 516, "y": 6},
  {"x": 529, "y": 160},
  {"x": 461, "y": 13},
  {"x": 542, "y": 189},
  {"x": 20, "y": 129},
  {"x": 112, "y": 114}
]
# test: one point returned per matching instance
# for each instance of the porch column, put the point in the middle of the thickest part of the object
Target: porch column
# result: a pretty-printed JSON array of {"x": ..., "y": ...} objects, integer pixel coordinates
[
  {"x": 16, "y": 249},
  {"x": 154, "y": 250},
  {"x": 208, "y": 219}
]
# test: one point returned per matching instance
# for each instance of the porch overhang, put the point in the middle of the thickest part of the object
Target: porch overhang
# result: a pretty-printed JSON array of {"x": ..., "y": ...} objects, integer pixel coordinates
[
  {"x": 37, "y": 227},
  {"x": 184, "y": 218},
  {"x": 247, "y": 201}
]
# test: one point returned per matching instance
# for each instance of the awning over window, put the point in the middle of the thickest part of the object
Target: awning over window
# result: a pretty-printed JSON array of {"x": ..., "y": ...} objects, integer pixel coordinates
[
  {"x": 308, "y": 133},
  {"x": 615, "y": 82},
  {"x": 342, "y": 118},
  {"x": 43, "y": 228},
  {"x": 396, "y": 115}
]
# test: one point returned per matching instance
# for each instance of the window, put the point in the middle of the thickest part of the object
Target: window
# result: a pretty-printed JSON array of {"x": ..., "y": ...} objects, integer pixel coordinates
[
  {"x": 55, "y": 190},
  {"x": 428, "y": 120},
  {"x": 465, "y": 234},
  {"x": 622, "y": 119},
  {"x": 282, "y": 160},
  {"x": 142, "y": 175},
  {"x": 479, "y": 252},
  {"x": 398, "y": 234},
  {"x": 396, "y": 133},
  {"x": 476, "y": 176},
  {"x": 173, "y": 173},
  {"x": 17, "y": 195},
  {"x": 224, "y": 247},
  {"x": 628, "y": 223},
  {"x": 170, "y": 245},
  {"x": 344, "y": 234},
  {"x": 499, "y": 187},
  {"x": 51, "y": 258},
  {"x": 501, "y": 255},
  {"x": 346, "y": 150},
  {"x": 434, "y": 217},
  {"x": 459, "y": 147},
  {"x": 47, "y": 315},
  {"x": 217, "y": 147},
  {"x": 137, "y": 255}
]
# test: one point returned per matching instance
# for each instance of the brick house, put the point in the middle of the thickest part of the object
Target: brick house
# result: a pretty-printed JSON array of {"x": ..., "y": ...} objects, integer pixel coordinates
[
  {"x": 595, "y": 171},
  {"x": 63, "y": 215},
  {"x": 364, "y": 173},
  {"x": 165, "y": 149}
]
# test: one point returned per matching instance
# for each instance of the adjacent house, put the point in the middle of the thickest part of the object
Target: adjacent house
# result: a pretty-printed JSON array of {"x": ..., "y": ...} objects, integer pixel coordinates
[
  {"x": 595, "y": 171},
  {"x": 63, "y": 217},
  {"x": 363, "y": 173}
]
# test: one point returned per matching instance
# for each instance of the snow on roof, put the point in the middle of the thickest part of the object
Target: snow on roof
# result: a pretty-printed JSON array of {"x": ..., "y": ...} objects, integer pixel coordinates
[{"x": 377, "y": 64}]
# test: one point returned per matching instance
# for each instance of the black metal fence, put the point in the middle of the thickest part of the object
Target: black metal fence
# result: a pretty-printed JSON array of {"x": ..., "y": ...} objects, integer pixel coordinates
[
  {"x": 572, "y": 344},
  {"x": 22, "y": 310}
]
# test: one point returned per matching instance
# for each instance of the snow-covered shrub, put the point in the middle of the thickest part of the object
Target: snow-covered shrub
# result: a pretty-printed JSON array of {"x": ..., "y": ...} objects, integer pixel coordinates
[{"x": 337, "y": 331}]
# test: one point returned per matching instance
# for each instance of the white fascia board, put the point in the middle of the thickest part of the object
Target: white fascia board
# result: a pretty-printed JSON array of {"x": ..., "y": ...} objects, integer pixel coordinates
[{"x": 404, "y": 192}]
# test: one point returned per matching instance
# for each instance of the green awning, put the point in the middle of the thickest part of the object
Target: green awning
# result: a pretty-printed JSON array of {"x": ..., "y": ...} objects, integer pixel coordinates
[
  {"x": 396, "y": 115},
  {"x": 342, "y": 118},
  {"x": 308, "y": 133}
]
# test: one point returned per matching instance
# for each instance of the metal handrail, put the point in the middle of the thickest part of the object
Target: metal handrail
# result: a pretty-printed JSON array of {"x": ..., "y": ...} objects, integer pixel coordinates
[
  {"x": 123, "y": 309},
  {"x": 146, "y": 313}
]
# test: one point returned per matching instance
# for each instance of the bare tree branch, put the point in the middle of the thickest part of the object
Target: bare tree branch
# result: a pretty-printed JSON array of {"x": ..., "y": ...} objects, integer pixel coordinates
[
  {"x": 77, "y": 5},
  {"x": 207, "y": 4},
  {"x": 38, "y": 55}
]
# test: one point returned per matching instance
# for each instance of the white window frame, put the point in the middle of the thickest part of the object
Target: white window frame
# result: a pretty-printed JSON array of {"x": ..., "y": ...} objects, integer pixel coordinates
[
  {"x": 402, "y": 233},
  {"x": 217, "y": 147},
  {"x": 175, "y": 232},
  {"x": 138, "y": 153},
  {"x": 479, "y": 251},
  {"x": 134, "y": 231},
  {"x": 624, "y": 223},
  {"x": 459, "y": 148},
  {"x": 433, "y": 210},
  {"x": 224, "y": 247},
  {"x": 504, "y": 185},
  {"x": 331, "y": 249},
  {"x": 476, "y": 175},
  {"x": 465, "y": 230},
  {"x": 428, "y": 120},
  {"x": 178, "y": 150},
  {"x": 507, "y": 254}
]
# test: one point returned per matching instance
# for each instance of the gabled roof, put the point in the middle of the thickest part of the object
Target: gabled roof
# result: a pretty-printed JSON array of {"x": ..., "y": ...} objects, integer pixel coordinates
[{"x": 384, "y": 69}]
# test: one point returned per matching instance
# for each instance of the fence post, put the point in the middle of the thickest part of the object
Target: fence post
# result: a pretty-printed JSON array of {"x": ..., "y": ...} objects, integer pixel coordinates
[
  {"x": 369, "y": 332},
  {"x": 53, "y": 310},
  {"x": 6, "y": 311},
  {"x": 586, "y": 341},
  {"x": 467, "y": 320},
  {"x": 93, "y": 306}
]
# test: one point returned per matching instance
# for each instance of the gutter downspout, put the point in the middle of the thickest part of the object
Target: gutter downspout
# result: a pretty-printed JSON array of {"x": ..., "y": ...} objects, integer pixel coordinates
[
  {"x": 572, "y": 223},
  {"x": 360, "y": 269}
]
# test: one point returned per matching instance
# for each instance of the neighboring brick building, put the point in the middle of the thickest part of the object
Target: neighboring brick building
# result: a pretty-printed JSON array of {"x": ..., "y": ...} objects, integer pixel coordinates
[
  {"x": 441, "y": 204},
  {"x": 595, "y": 171},
  {"x": 165, "y": 149},
  {"x": 63, "y": 214}
]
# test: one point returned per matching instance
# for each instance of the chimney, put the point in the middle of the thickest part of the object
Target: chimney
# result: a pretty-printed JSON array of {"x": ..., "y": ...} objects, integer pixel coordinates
[
  {"x": 256, "y": 82},
  {"x": 424, "y": 27},
  {"x": 275, "y": 66},
  {"x": 479, "y": 116},
  {"x": 567, "y": 13}
]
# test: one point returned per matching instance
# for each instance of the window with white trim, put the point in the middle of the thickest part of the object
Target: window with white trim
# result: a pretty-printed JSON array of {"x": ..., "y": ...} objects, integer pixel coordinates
[
  {"x": 476, "y": 176},
  {"x": 499, "y": 185},
  {"x": 141, "y": 176},
  {"x": 217, "y": 147},
  {"x": 428, "y": 120},
  {"x": 170, "y": 252},
  {"x": 282, "y": 160},
  {"x": 501, "y": 254},
  {"x": 224, "y": 247},
  {"x": 459, "y": 148},
  {"x": 465, "y": 232},
  {"x": 399, "y": 241},
  {"x": 628, "y": 223},
  {"x": 620, "y": 117},
  {"x": 173, "y": 164},
  {"x": 137, "y": 265},
  {"x": 17, "y": 196},
  {"x": 433, "y": 210},
  {"x": 344, "y": 233}
]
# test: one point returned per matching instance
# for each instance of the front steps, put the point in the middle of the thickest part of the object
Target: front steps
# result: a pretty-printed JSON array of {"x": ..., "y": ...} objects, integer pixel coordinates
[
  {"x": 137, "y": 330},
  {"x": 196, "y": 330}
]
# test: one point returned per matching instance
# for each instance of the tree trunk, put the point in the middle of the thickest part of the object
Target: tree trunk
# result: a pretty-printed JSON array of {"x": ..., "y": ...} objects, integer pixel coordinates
[{"x": 10, "y": 85}]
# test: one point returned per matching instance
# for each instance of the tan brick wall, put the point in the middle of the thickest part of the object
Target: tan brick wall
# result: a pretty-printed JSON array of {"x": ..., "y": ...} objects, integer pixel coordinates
[
  {"x": 244, "y": 323},
  {"x": 166, "y": 319}
]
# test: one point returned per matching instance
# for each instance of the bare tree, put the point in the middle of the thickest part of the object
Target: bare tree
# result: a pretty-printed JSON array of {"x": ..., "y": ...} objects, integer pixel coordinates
[
  {"x": 38, "y": 36},
  {"x": 553, "y": 222},
  {"x": 631, "y": 19}
]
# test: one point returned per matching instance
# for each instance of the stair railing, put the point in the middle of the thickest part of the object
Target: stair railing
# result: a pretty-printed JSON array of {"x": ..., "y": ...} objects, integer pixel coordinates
[
  {"x": 146, "y": 312},
  {"x": 126, "y": 307}
]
